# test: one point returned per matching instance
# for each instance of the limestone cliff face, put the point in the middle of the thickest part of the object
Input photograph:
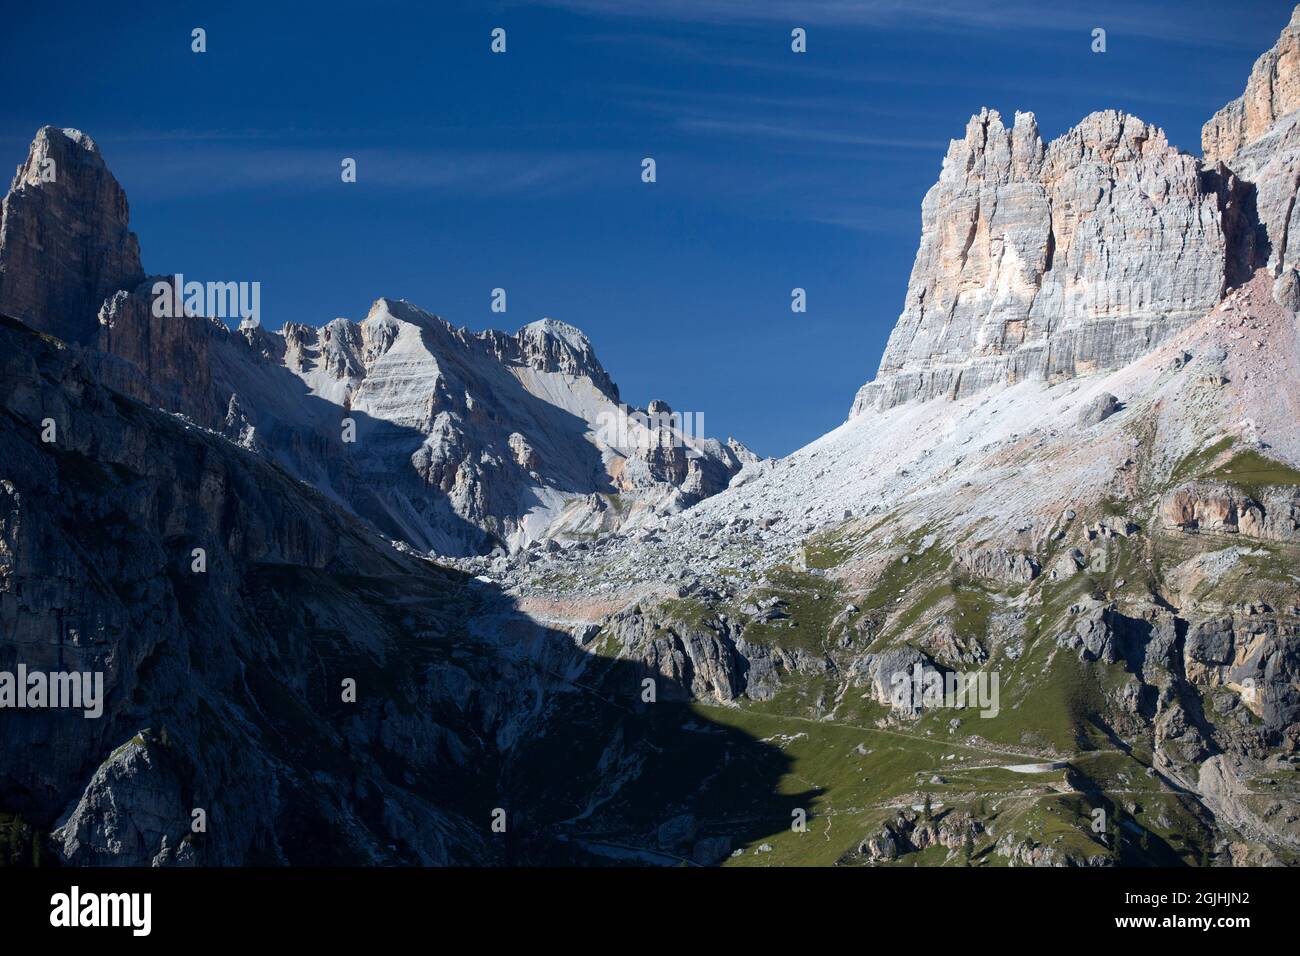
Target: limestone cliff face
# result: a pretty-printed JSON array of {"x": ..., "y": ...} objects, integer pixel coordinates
[
  {"x": 1272, "y": 92},
  {"x": 1257, "y": 139},
  {"x": 1050, "y": 261},
  {"x": 65, "y": 244},
  {"x": 468, "y": 440},
  {"x": 96, "y": 574},
  {"x": 463, "y": 441}
]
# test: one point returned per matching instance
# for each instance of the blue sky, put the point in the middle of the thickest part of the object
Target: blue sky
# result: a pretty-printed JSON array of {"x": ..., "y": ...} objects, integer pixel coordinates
[{"x": 522, "y": 170}]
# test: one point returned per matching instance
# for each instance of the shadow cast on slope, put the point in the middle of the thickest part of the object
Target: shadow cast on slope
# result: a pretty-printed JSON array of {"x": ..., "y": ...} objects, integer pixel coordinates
[{"x": 228, "y": 690}]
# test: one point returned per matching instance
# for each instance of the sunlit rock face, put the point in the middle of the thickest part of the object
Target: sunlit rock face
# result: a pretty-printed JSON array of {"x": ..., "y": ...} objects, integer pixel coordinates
[
  {"x": 1050, "y": 261},
  {"x": 1256, "y": 138}
]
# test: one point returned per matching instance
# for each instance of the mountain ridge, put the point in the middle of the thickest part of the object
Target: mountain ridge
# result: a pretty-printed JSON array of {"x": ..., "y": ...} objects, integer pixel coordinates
[{"x": 453, "y": 478}]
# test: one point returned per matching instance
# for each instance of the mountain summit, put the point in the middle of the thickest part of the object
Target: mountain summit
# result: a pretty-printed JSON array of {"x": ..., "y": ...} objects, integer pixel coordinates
[
  {"x": 1052, "y": 261},
  {"x": 65, "y": 244},
  {"x": 1077, "y": 472}
]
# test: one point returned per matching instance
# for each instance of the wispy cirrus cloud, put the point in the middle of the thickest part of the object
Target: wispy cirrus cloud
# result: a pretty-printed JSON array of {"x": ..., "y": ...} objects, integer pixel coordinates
[
  {"x": 171, "y": 164},
  {"x": 752, "y": 129},
  {"x": 791, "y": 121},
  {"x": 1131, "y": 18}
]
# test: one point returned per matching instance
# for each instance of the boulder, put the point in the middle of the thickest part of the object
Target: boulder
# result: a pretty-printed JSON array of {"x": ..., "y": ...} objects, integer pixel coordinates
[
  {"x": 1286, "y": 290},
  {"x": 1099, "y": 409}
]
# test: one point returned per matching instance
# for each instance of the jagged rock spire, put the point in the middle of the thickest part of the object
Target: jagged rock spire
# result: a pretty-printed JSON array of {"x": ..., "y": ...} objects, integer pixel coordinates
[
  {"x": 65, "y": 243},
  {"x": 1272, "y": 92}
]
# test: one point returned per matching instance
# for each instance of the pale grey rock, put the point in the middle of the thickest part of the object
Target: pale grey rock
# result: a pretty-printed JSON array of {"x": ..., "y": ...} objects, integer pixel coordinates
[
  {"x": 1051, "y": 261},
  {"x": 1258, "y": 657},
  {"x": 1067, "y": 565},
  {"x": 1272, "y": 92},
  {"x": 464, "y": 442},
  {"x": 997, "y": 564},
  {"x": 1098, "y": 410},
  {"x": 1094, "y": 636},
  {"x": 584, "y": 634},
  {"x": 132, "y": 813},
  {"x": 889, "y": 677},
  {"x": 688, "y": 661},
  {"x": 1223, "y": 508},
  {"x": 1286, "y": 290},
  {"x": 881, "y": 847},
  {"x": 1210, "y": 641},
  {"x": 1257, "y": 138}
]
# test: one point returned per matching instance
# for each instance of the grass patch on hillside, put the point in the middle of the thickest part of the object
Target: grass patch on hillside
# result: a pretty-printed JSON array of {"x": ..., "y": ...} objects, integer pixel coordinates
[
  {"x": 828, "y": 550},
  {"x": 1252, "y": 471},
  {"x": 811, "y": 604},
  {"x": 688, "y": 612},
  {"x": 1247, "y": 468},
  {"x": 1199, "y": 463},
  {"x": 824, "y": 557},
  {"x": 1060, "y": 822},
  {"x": 1045, "y": 699},
  {"x": 906, "y": 573},
  {"x": 938, "y": 596},
  {"x": 860, "y": 775}
]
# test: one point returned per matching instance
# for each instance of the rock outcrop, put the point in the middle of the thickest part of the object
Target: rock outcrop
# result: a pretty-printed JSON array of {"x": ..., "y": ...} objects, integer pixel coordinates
[
  {"x": 1050, "y": 261},
  {"x": 910, "y": 832},
  {"x": 1098, "y": 410},
  {"x": 1222, "y": 508},
  {"x": 65, "y": 243},
  {"x": 133, "y": 813},
  {"x": 1272, "y": 92},
  {"x": 1258, "y": 658},
  {"x": 997, "y": 564}
]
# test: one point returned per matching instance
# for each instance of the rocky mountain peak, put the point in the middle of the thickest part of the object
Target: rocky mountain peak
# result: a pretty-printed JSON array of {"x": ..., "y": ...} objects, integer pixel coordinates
[
  {"x": 1272, "y": 92},
  {"x": 990, "y": 152},
  {"x": 1051, "y": 261},
  {"x": 464, "y": 441},
  {"x": 65, "y": 241},
  {"x": 1111, "y": 137},
  {"x": 1256, "y": 139},
  {"x": 549, "y": 345},
  {"x": 553, "y": 328}
]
